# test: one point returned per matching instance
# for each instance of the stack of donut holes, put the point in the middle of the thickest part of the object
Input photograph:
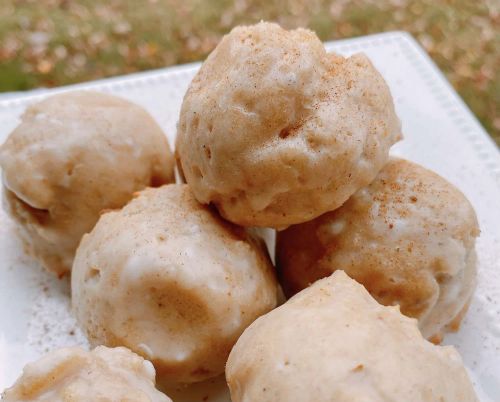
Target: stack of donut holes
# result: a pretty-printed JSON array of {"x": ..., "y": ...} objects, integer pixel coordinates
[{"x": 376, "y": 253}]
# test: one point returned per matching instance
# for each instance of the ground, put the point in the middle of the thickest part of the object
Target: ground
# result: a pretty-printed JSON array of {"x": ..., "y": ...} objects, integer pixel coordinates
[{"x": 58, "y": 42}]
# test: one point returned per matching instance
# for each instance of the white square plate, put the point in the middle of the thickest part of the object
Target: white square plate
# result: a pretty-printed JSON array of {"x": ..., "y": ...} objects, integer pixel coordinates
[{"x": 440, "y": 133}]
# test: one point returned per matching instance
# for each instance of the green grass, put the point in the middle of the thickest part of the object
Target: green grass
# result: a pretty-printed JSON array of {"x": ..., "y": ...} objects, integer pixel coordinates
[{"x": 58, "y": 42}]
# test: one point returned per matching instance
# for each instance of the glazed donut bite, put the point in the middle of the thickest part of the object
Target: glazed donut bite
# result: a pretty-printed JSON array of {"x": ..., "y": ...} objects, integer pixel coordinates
[
  {"x": 76, "y": 375},
  {"x": 275, "y": 131},
  {"x": 409, "y": 238},
  {"x": 334, "y": 342},
  {"x": 73, "y": 155},
  {"x": 172, "y": 281}
]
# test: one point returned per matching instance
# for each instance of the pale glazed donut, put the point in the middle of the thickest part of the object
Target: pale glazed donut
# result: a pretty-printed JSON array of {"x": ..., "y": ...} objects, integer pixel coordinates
[
  {"x": 409, "y": 238},
  {"x": 76, "y": 375},
  {"x": 171, "y": 280},
  {"x": 73, "y": 155},
  {"x": 275, "y": 131},
  {"x": 334, "y": 342}
]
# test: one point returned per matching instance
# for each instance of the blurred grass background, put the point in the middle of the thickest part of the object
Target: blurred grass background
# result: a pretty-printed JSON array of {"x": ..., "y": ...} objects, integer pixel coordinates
[{"x": 58, "y": 42}]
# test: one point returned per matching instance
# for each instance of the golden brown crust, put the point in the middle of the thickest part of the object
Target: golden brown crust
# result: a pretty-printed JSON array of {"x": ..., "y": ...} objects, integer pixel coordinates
[{"x": 408, "y": 238}]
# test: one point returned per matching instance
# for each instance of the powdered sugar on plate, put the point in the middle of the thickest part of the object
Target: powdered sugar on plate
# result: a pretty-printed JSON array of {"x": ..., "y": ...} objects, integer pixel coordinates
[{"x": 51, "y": 324}]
